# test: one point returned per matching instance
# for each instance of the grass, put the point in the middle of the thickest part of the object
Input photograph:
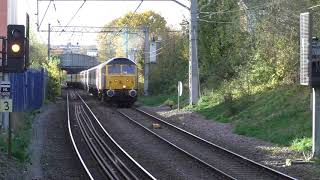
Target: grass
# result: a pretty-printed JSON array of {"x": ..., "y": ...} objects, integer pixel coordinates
[
  {"x": 21, "y": 138},
  {"x": 303, "y": 144},
  {"x": 280, "y": 115}
]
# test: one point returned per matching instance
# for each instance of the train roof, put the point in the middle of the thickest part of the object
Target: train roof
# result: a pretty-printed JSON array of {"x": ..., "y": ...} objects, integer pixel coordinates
[{"x": 120, "y": 61}]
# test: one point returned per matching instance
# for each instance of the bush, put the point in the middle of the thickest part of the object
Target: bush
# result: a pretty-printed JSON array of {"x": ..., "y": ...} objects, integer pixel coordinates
[
  {"x": 169, "y": 103},
  {"x": 53, "y": 86},
  {"x": 21, "y": 138}
]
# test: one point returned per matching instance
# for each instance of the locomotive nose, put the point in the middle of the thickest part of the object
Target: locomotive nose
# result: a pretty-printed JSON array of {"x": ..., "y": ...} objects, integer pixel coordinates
[{"x": 132, "y": 93}]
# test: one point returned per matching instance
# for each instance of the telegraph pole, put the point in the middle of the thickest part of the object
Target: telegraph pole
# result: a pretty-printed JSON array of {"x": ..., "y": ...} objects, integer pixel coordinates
[
  {"x": 146, "y": 61},
  {"x": 193, "y": 54}
]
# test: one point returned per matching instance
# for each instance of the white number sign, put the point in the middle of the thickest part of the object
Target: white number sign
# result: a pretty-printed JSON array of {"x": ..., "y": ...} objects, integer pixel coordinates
[{"x": 5, "y": 105}]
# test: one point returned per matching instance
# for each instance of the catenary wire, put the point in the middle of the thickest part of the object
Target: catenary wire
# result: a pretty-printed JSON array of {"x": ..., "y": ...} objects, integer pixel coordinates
[
  {"x": 45, "y": 13},
  {"x": 134, "y": 12},
  {"x": 73, "y": 16}
]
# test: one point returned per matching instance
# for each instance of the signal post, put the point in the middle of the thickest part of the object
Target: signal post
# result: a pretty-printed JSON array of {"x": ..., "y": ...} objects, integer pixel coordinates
[
  {"x": 14, "y": 54},
  {"x": 310, "y": 74}
]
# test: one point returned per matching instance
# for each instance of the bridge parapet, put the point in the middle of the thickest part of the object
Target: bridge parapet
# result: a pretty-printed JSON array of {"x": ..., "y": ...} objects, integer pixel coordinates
[{"x": 74, "y": 63}]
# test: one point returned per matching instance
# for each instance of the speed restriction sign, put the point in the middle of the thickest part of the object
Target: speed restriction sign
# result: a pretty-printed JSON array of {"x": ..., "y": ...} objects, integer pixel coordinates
[{"x": 5, "y": 105}]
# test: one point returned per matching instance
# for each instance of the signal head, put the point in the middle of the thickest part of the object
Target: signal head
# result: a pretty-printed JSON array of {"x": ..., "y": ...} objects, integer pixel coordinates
[{"x": 15, "y": 48}]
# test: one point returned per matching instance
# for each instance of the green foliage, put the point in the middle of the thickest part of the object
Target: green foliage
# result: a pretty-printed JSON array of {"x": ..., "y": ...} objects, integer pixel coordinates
[
  {"x": 38, "y": 59},
  {"x": 302, "y": 144},
  {"x": 251, "y": 48},
  {"x": 171, "y": 67},
  {"x": 169, "y": 102},
  {"x": 224, "y": 49},
  {"x": 53, "y": 84},
  {"x": 111, "y": 45},
  {"x": 248, "y": 61},
  {"x": 38, "y": 52},
  {"x": 279, "y": 115},
  {"x": 21, "y": 138}
]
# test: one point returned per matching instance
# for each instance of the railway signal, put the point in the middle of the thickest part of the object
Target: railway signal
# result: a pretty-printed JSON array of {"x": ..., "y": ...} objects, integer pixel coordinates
[
  {"x": 310, "y": 74},
  {"x": 16, "y": 41}
]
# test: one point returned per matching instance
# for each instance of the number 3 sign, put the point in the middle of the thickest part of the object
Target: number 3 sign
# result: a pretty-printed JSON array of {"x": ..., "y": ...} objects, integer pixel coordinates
[{"x": 6, "y": 105}]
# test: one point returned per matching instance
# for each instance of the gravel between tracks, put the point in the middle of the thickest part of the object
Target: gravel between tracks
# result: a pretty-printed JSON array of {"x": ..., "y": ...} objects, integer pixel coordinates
[
  {"x": 221, "y": 134},
  {"x": 211, "y": 155},
  {"x": 161, "y": 160}
]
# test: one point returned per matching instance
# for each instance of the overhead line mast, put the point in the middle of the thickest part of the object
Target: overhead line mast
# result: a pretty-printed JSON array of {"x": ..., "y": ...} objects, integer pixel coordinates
[{"x": 194, "y": 84}]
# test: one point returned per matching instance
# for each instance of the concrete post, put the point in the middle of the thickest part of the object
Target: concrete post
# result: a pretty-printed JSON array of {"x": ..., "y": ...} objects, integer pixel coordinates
[
  {"x": 146, "y": 61},
  {"x": 193, "y": 54}
]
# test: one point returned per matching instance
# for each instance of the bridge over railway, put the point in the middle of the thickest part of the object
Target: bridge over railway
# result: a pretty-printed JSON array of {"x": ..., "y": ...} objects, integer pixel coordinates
[{"x": 74, "y": 63}]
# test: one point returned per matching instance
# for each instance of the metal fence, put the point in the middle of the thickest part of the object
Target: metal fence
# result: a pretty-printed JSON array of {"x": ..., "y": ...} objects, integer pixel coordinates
[{"x": 28, "y": 89}]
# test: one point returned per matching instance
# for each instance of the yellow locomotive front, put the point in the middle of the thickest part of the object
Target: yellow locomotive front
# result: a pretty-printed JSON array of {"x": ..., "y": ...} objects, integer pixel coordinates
[{"x": 121, "y": 81}]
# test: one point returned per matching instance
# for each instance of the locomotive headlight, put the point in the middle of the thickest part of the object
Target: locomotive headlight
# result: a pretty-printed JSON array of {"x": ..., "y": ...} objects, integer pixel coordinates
[
  {"x": 124, "y": 86},
  {"x": 132, "y": 93},
  {"x": 110, "y": 93}
]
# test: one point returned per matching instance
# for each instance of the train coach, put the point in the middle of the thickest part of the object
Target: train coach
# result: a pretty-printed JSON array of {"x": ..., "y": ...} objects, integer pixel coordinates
[
  {"x": 115, "y": 80},
  {"x": 73, "y": 80}
]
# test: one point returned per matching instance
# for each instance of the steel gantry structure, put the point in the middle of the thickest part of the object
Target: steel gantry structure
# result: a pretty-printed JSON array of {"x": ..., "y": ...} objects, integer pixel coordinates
[{"x": 194, "y": 84}]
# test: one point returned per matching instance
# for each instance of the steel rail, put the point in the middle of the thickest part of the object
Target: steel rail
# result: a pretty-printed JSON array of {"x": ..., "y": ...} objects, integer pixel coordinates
[
  {"x": 256, "y": 164},
  {"x": 221, "y": 174},
  {"x": 146, "y": 173},
  {"x": 73, "y": 142},
  {"x": 97, "y": 155},
  {"x": 121, "y": 167}
]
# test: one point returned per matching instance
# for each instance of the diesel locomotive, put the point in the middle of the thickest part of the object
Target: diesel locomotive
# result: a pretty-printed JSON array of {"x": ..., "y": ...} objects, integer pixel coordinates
[{"x": 115, "y": 80}]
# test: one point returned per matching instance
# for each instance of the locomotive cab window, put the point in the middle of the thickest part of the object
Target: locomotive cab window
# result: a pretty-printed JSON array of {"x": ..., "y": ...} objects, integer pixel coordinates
[
  {"x": 114, "y": 69},
  {"x": 128, "y": 69}
]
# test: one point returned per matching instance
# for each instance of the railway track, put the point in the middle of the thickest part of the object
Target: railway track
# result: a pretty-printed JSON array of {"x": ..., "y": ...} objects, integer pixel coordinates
[
  {"x": 227, "y": 164},
  {"x": 114, "y": 163}
]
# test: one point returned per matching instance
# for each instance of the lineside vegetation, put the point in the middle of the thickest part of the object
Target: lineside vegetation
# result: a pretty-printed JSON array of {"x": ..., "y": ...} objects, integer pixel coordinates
[{"x": 249, "y": 69}]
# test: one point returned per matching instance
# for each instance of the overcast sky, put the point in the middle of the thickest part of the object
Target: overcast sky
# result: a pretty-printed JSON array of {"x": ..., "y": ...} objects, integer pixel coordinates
[{"x": 99, "y": 13}]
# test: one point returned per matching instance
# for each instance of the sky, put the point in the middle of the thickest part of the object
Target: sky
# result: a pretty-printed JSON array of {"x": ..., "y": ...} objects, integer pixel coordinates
[{"x": 95, "y": 13}]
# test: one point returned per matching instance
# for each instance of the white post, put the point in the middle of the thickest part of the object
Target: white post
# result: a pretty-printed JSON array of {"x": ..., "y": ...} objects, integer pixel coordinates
[{"x": 178, "y": 95}]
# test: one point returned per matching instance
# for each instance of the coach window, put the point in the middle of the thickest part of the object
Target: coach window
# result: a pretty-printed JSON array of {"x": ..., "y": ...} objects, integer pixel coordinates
[
  {"x": 114, "y": 69},
  {"x": 128, "y": 69}
]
